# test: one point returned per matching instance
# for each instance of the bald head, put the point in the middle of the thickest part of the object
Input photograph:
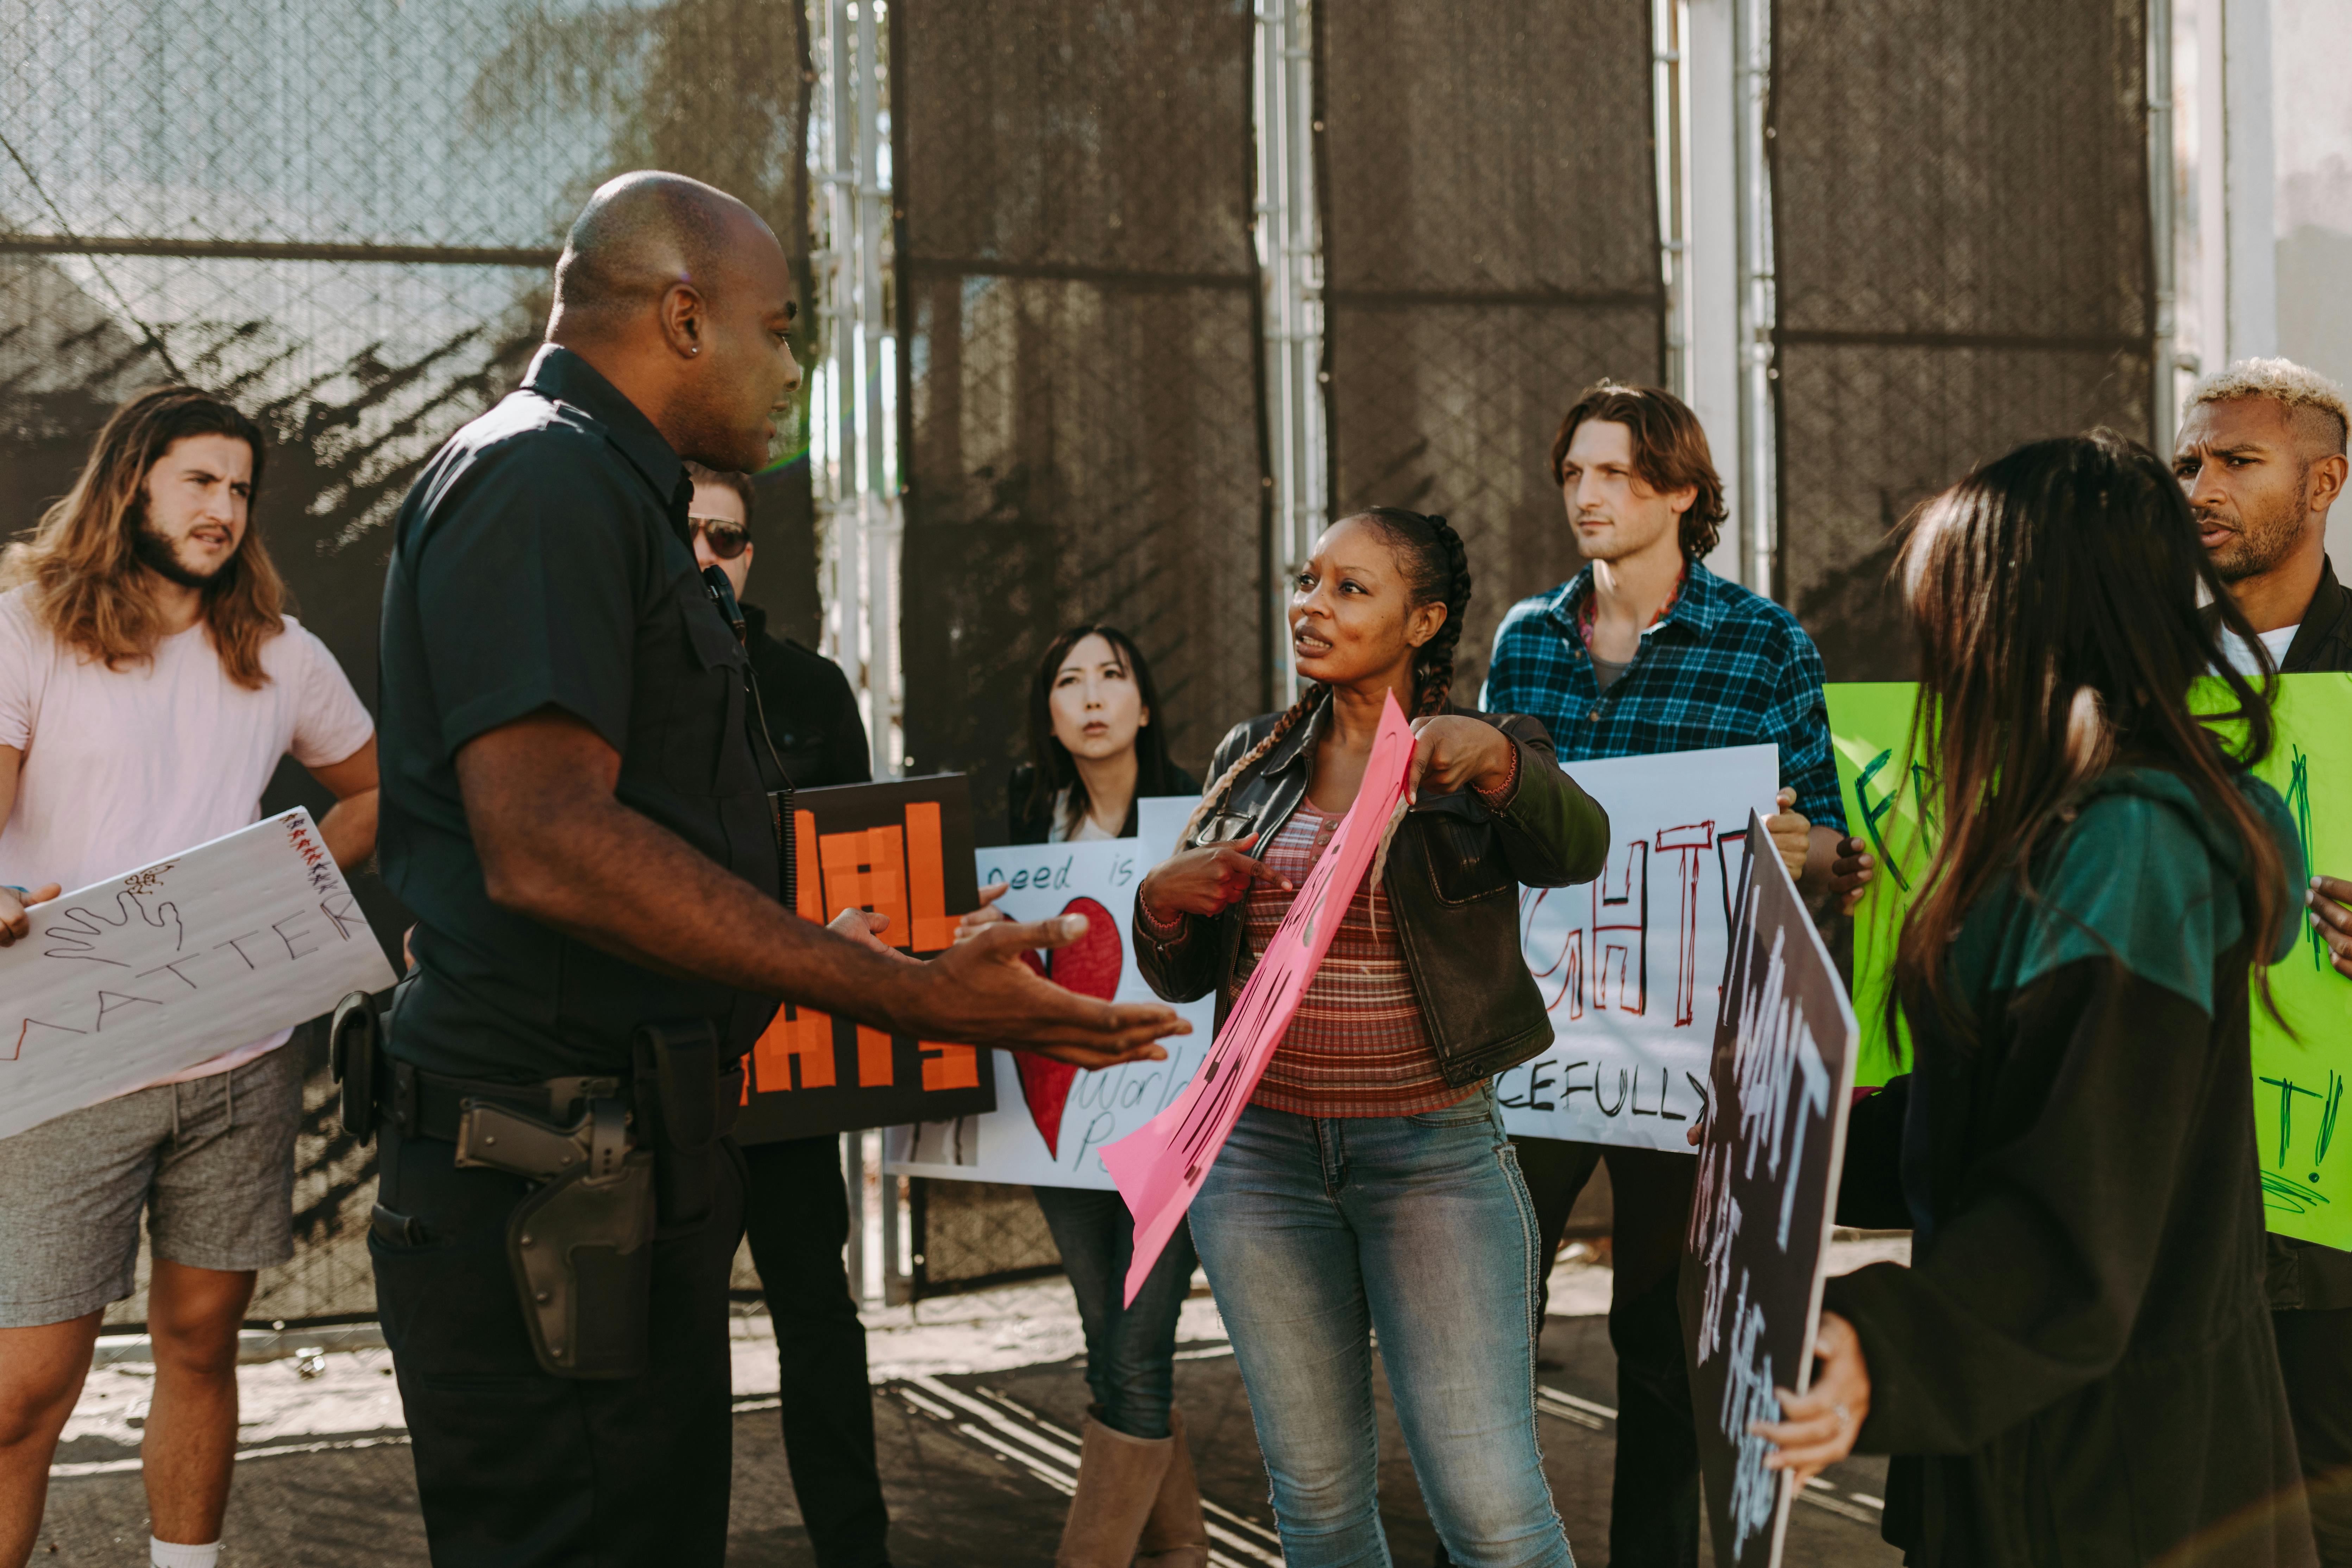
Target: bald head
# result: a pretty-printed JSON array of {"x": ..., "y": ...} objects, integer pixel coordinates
[
  {"x": 682, "y": 298},
  {"x": 644, "y": 232}
]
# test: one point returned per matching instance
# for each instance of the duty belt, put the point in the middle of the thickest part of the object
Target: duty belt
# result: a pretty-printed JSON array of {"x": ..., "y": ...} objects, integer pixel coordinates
[{"x": 433, "y": 1105}]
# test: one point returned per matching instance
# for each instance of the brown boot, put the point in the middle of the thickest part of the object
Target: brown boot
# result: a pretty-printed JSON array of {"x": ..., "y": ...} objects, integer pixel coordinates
[
  {"x": 1119, "y": 1478},
  {"x": 1175, "y": 1535}
]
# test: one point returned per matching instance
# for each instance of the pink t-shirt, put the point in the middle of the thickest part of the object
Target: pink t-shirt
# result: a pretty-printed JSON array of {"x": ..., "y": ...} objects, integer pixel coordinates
[{"x": 126, "y": 766}]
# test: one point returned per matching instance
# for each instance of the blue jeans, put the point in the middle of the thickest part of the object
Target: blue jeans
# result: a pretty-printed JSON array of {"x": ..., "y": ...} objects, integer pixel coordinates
[
  {"x": 1319, "y": 1232},
  {"x": 1131, "y": 1351}
]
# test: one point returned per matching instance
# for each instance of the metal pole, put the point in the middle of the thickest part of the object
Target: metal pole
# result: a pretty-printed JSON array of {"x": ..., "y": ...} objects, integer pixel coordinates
[
  {"x": 1666, "y": 31},
  {"x": 1752, "y": 53},
  {"x": 2163, "y": 241},
  {"x": 1290, "y": 262},
  {"x": 845, "y": 540},
  {"x": 876, "y": 511}
]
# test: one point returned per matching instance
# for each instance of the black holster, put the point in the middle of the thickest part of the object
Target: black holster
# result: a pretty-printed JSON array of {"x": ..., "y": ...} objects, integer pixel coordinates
[
  {"x": 354, "y": 1045},
  {"x": 581, "y": 1243},
  {"x": 689, "y": 1089}
]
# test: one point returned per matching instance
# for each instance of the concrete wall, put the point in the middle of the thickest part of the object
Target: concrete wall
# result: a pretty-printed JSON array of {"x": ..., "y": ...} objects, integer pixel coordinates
[{"x": 2311, "y": 110}]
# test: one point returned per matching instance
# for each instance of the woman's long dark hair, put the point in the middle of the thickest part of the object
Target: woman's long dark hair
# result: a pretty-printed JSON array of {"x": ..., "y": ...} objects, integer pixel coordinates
[
  {"x": 2055, "y": 594},
  {"x": 1056, "y": 771}
]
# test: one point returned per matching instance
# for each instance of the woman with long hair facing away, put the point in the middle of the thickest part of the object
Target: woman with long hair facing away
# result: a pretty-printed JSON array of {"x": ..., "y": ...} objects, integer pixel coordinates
[
  {"x": 1094, "y": 752},
  {"x": 1368, "y": 1187},
  {"x": 2077, "y": 1367}
]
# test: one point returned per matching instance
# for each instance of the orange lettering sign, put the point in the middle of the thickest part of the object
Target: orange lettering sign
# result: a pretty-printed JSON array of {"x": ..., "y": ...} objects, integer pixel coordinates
[
  {"x": 954, "y": 1066},
  {"x": 798, "y": 1035}
]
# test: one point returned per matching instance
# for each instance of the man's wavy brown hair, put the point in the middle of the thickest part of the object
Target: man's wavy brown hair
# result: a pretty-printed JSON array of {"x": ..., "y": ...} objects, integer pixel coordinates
[
  {"x": 88, "y": 585},
  {"x": 1670, "y": 452}
]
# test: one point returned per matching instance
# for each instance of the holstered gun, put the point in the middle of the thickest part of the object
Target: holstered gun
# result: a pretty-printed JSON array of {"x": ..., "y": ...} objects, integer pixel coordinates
[
  {"x": 354, "y": 1042},
  {"x": 580, "y": 1244}
]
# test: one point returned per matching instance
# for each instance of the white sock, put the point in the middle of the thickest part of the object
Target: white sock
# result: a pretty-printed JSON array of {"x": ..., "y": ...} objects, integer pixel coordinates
[{"x": 170, "y": 1554}]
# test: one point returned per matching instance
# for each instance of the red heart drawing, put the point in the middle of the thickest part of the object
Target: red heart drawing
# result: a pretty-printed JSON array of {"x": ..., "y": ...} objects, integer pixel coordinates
[{"x": 1090, "y": 967}]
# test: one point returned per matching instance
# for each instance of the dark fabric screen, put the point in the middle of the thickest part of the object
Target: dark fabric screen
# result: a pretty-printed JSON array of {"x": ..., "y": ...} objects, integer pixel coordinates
[
  {"x": 1959, "y": 200},
  {"x": 353, "y": 242},
  {"x": 1077, "y": 293},
  {"x": 1490, "y": 226}
]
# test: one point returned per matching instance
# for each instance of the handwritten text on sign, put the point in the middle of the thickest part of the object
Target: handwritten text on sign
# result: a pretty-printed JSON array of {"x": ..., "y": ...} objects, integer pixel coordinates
[
  {"x": 1161, "y": 1165},
  {"x": 140, "y": 977},
  {"x": 1052, "y": 1120},
  {"x": 1781, "y": 1074},
  {"x": 2301, "y": 1065},
  {"x": 1631, "y": 965}
]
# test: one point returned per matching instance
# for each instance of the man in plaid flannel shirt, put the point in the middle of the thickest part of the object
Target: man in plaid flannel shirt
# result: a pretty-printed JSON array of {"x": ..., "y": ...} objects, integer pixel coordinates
[{"x": 1644, "y": 651}]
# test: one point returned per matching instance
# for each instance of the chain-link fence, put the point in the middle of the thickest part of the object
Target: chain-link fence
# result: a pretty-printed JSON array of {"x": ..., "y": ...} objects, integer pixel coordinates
[
  {"x": 342, "y": 218},
  {"x": 1960, "y": 218},
  {"x": 1078, "y": 298},
  {"x": 1488, "y": 186}
]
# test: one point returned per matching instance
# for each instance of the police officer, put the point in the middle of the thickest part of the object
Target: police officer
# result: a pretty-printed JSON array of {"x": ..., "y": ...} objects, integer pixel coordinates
[{"x": 575, "y": 809}]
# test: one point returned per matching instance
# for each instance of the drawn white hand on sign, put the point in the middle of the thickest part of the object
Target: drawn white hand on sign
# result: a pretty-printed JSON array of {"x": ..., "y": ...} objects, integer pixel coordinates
[
  {"x": 130, "y": 981},
  {"x": 1631, "y": 965}
]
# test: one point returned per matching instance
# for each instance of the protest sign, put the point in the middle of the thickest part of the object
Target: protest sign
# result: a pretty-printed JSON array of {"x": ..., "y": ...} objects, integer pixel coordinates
[
  {"x": 1160, "y": 1165},
  {"x": 1888, "y": 794},
  {"x": 901, "y": 849},
  {"x": 1053, "y": 1119},
  {"x": 2300, "y": 1070},
  {"x": 1781, "y": 1076},
  {"x": 1631, "y": 965},
  {"x": 143, "y": 976}
]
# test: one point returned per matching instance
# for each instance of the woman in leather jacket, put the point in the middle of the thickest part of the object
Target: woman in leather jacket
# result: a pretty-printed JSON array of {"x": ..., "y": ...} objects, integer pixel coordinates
[{"x": 1367, "y": 1186}]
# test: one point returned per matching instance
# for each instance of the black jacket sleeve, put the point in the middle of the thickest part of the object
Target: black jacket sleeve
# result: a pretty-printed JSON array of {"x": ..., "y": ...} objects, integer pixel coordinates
[
  {"x": 851, "y": 760},
  {"x": 2035, "y": 1278},
  {"x": 1181, "y": 966},
  {"x": 1553, "y": 834}
]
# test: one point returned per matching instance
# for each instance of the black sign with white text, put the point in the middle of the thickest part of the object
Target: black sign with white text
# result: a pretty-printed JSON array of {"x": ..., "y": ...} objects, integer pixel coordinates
[{"x": 1780, "y": 1079}]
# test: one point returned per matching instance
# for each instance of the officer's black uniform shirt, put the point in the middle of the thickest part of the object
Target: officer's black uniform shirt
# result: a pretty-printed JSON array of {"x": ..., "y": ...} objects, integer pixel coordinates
[
  {"x": 812, "y": 712},
  {"x": 542, "y": 561}
]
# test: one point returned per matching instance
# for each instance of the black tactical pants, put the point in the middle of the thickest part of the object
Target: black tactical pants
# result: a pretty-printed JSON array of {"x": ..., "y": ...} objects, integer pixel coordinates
[
  {"x": 515, "y": 1468},
  {"x": 1653, "y": 1507},
  {"x": 796, "y": 1213}
]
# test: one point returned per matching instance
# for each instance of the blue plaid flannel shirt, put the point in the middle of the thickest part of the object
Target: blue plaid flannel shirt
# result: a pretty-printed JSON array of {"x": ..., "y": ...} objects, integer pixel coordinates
[{"x": 1724, "y": 668}]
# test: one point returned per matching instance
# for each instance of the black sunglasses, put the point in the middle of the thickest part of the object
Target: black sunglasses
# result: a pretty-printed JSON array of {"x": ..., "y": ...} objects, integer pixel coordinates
[{"x": 726, "y": 537}]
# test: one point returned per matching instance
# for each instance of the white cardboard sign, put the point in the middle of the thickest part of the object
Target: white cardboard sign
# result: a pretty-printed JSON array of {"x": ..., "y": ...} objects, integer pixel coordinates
[
  {"x": 138, "y": 977},
  {"x": 1632, "y": 965},
  {"x": 1053, "y": 1121}
]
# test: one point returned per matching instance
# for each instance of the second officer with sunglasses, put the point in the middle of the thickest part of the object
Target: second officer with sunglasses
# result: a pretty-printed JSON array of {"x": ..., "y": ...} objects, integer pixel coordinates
[{"x": 795, "y": 1203}]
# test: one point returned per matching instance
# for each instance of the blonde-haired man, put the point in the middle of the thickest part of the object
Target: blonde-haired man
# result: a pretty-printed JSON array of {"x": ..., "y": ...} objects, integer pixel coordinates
[
  {"x": 2261, "y": 455},
  {"x": 149, "y": 681}
]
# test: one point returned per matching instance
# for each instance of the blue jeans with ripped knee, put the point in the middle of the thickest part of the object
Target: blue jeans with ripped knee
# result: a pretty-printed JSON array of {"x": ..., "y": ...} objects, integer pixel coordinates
[{"x": 1319, "y": 1233}]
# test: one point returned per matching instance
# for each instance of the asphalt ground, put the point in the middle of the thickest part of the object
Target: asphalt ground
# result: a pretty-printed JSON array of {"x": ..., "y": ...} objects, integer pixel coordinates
[{"x": 977, "y": 1467}]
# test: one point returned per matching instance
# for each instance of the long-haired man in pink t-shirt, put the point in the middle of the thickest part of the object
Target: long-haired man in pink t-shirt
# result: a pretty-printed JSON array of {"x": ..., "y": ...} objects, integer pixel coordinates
[{"x": 149, "y": 682}]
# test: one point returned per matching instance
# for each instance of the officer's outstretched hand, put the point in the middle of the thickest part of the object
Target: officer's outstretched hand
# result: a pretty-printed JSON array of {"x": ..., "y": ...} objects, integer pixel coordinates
[{"x": 983, "y": 993}]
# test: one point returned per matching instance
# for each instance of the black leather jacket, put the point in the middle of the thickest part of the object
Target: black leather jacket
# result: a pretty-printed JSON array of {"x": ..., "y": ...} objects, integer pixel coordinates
[{"x": 1453, "y": 880}]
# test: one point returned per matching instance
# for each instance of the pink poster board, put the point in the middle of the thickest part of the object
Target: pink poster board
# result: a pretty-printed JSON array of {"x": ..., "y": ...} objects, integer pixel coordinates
[{"x": 1162, "y": 1163}]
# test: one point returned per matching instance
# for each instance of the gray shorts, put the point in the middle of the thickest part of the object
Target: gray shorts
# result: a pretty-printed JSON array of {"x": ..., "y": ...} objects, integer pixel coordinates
[{"x": 211, "y": 1161}]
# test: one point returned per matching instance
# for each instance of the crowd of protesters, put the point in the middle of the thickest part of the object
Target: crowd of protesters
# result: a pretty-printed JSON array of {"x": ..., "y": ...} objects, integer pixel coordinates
[{"x": 2094, "y": 1355}]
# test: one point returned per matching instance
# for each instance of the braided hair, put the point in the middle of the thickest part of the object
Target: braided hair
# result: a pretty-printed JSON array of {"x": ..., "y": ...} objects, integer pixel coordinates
[{"x": 1437, "y": 570}]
